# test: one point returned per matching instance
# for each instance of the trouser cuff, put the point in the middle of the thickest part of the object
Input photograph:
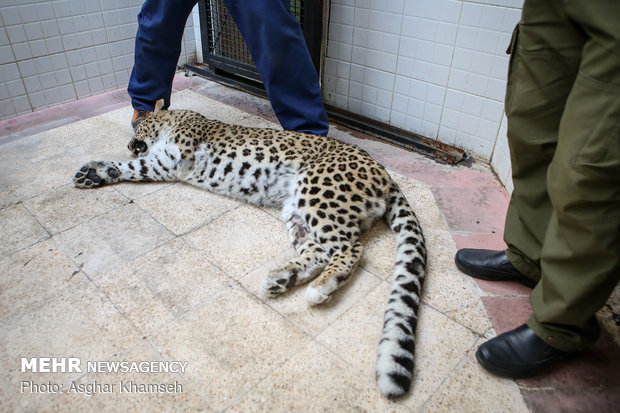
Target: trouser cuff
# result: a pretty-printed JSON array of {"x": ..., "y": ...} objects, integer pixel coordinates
[
  {"x": 563, "y": 340},
  {"x": 523, "y": 265}
]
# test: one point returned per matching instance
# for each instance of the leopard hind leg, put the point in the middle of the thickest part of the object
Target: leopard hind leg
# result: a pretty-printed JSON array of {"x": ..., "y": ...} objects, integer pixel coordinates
[
  {"x": 344, "y": 257},
  {"x": 312, "y": 258}
]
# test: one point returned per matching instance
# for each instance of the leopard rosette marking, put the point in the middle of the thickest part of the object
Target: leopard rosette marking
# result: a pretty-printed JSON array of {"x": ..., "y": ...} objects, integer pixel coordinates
[{"x": 328, "y": 191}]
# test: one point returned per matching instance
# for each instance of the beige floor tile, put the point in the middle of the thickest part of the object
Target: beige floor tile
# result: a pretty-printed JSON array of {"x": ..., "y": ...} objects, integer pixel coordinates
[
  {"x": 230, "y": 344},
  {"x": 19, "y": 229},
  {"x": 90, "y": 137},
  {"x": 474, "y": 317},
  {"x": 68, "y": 206},
  {"x": 471, "y": 389},
  {"x": 355, "y": 336},
  {"x": 440, "y": 343},
  {"x": 32, "y": 276},
  {"x": 79, "y": 323},
  {"x": 39, "y": 163},
  {"x": 422, "y": 201},
  {"x": 275, "y": 212},
  {"x": 7, "y": 198},
  {"x": 445, "y": 287},
  {"x": 292, "y": 305},
  {"x": 162, "y": 285},
  {"x": 30, "y": 149},
  {"x": 182, "y": 208},
  {"x": 113, "y": 239},
  {"x": 379, "y": 250},
  {"x": 137, "y": 190},
  {"x": 180, "y": 397},
  {"x": 27, "y": 179},
  {"x": 121, "y": 119},
  {"x": 7, "y": 392},
  {"x": 240, "y": 240},
  {"x": 379, "y": 242},
  {"x": 315, "y": 380},
  {"x": 158, "y": 297},
  {"x": 443, "y": 279}
]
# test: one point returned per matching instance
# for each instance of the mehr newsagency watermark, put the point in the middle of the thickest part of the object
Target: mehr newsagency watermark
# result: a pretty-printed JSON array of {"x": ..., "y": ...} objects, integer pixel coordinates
[{"x": 76, "y": 365}]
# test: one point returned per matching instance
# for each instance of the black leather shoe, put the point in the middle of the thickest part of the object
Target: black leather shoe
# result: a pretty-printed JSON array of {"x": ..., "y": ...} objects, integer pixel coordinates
[
  {"x": 490, "y": 265},
  {"x": 517, "y": 354}
]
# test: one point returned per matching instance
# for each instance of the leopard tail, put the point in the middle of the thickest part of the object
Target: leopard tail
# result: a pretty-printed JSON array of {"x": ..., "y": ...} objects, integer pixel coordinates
[{"x": 395, "y": 359}]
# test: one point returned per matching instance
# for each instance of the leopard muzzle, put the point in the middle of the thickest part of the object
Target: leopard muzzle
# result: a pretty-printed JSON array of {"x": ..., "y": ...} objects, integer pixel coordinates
[{"x": 137, "y": 147}]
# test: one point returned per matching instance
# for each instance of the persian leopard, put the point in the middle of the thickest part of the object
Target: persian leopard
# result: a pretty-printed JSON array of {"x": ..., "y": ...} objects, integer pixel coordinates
[{"x": 328, "y": 191}]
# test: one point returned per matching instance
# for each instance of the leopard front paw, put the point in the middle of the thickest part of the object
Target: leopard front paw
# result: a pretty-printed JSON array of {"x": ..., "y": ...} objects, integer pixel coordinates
[{"x": 96, "y": 173}]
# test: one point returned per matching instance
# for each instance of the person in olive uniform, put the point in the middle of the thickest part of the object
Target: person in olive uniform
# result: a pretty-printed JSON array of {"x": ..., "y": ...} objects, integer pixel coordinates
[{"x": 563, "y": 222}]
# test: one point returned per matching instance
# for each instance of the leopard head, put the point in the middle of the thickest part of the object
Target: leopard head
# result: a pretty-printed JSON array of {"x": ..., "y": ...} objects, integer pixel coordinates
[{"x": 147, "y": 131}]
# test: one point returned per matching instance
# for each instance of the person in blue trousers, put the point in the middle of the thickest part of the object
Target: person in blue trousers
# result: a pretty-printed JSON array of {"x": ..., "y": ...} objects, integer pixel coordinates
[{"x": 274, "y": 39}]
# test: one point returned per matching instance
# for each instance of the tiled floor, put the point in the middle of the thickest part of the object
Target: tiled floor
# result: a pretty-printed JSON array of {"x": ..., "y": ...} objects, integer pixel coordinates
[{"x": 166, "y": 272}]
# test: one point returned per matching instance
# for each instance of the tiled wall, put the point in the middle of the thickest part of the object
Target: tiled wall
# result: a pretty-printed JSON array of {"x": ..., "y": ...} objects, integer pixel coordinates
[
  {"x": 55, "y": 51},
  {"x": 437, "y": 68},
  {"x": 434, "y": 67}
]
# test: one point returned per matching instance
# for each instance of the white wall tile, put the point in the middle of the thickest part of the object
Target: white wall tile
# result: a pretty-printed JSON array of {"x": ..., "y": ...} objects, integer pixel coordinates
[
  {"x": 67, "y": 92},
  {"x": 9, "y": 72},
  {"x": 81, "y": 89},
  {"x": 6, "y": 55},
  {"x": 16, "y": 34},
  {"x": 45, "y": 46},
  {"x": 28, "y": 13},
  {"x": 48, "y": 81},
  {"x": 507, "y": 3},
  {"x": 16, "y": 88},
  {"x": 61, "y": 8},
  {"x": 34, "y": 31},
  {"x": 38, "y": 48},
  {"x": 43, "y": 64},
  {"x": 21, "y": 104},
  {"x": 63, "y": 77},
  {"x": 96, "y": 85},
  {"x": 4, "y": 92},
  {"x": 59, "y": 61},
  {"x": 37, "y": 100},
  {"x": 6, "y": 109},
  {"x": 105, "y": 66},
  {"x": 470, "y": 122}
]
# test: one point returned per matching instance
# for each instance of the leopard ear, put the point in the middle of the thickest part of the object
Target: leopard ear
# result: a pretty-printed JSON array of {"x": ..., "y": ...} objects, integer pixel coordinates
[{"x": 158, "y": 105}]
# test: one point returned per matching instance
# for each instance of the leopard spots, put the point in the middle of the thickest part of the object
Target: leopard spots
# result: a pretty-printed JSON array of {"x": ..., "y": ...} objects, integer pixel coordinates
[{"x": 329, "y": 192}]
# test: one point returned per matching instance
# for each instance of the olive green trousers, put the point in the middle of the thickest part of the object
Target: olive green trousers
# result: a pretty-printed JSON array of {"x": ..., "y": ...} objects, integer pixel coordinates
[{"x": 563, "y": 110}]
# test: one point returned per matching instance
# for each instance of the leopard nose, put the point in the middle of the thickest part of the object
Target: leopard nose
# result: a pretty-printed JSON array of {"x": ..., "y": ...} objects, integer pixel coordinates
[{"x": 136, "y": 146}]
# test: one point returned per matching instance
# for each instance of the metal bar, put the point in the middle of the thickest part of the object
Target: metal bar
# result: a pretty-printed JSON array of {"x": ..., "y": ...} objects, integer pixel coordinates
[
  {"x": 431, "y": 148},
  {"x": 312, "y": 28}
]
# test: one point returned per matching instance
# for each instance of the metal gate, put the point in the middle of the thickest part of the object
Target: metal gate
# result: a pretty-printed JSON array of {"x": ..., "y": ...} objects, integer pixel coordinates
[{"x": 225, "y": 55}]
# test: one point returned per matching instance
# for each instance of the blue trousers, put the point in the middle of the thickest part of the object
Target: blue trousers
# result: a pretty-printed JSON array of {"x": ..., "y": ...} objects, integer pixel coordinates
[{"x": 274, "y": 39}]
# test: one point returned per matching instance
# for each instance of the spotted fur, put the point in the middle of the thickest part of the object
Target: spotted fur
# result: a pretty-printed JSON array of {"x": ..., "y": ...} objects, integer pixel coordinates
[{"x": 328, "y": 192}]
